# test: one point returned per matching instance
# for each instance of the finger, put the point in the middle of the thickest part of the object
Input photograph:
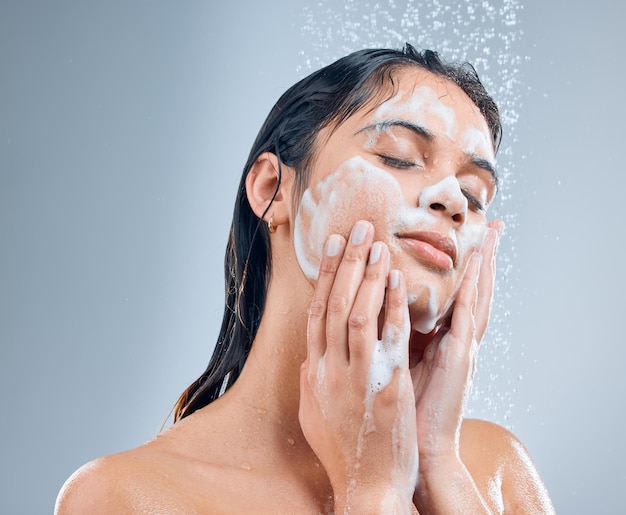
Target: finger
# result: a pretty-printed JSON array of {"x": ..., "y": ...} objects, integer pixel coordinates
[
  {"x": 486, "y": 281},
  {"x": 363, "y": 319},
  {"x": 344, "y": 289},
  {"x": 395, "y": 341},
  {"x": 453, "y": 355},
  {"x": 397, "y": 326},
  {"x": 462, "y": 326},
  {"x": 316, "y": 329},
  {"x": 487, "y": 276}
]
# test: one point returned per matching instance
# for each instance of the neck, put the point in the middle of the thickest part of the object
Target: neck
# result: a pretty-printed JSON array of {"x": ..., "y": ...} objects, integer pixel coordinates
[{"x": 264, "y": 400}]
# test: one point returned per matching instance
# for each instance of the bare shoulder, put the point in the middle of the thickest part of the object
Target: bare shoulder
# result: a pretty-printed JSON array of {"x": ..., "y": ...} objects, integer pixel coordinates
[
  {"x": 497, "y": 459},
  {"x": 92, "y": 488},
  {"x": 142, "y": 480}
]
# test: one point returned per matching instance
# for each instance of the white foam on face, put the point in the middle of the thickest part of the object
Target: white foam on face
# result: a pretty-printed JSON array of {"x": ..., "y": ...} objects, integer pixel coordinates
[
  {"x": 424, "y": 108},
  {"x": 446, "y": 190},
  {"x": 427, "y": 321},
  {"x": 469, "y": 238},
  {"x": 358, "y": 188},
  {"x": 476, "y": 141},
  {"x": 322, "y": 207},
  {"x": 303, "y": 240}
]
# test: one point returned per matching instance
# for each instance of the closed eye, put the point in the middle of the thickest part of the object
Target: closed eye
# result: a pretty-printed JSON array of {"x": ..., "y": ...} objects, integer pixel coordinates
[
  {"x": 396, "y": 163},
  {"x": 472, "y": 200}
]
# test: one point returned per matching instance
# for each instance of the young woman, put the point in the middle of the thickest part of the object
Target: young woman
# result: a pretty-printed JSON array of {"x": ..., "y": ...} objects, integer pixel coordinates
[{"x": 359, "y": 277}]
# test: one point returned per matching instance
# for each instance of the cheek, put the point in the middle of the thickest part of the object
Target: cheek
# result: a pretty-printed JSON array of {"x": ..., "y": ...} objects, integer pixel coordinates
[
  {"x": 356, "y": 191},
  {"x": 469, "y": 239}
]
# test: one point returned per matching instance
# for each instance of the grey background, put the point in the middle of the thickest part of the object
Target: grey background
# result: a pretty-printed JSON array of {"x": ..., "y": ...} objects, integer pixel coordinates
[{"x": 123, "y": 130}]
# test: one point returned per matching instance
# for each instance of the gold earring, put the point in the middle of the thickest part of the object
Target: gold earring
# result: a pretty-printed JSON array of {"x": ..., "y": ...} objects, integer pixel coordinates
[{"x": 270, "y": 225}]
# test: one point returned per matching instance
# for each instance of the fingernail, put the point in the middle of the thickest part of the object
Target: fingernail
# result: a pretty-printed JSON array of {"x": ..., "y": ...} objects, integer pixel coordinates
[
  {"x": 333, "y": 245},
  {"x": 359, "y": 233},
  {"x": 375, "y": 252},
  {"x": 394, "y": 279}
]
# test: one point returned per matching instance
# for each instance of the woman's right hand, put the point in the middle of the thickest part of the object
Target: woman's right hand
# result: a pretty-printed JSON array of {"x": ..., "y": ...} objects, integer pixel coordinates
[{"x": 357, "y": 406}]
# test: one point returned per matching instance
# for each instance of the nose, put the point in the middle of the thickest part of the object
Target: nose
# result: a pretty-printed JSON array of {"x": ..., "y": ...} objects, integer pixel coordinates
[{"x": 446, "y": 198}]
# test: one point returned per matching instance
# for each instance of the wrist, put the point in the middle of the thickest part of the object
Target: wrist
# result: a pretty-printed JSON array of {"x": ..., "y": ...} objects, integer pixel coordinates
[
  {"x": 367, "y": 501},
  {"x": 446, "y": 483}
]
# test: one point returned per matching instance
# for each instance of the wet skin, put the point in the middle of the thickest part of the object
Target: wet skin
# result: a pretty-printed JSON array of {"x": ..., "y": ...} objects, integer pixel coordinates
[
  {"x": 306, "y": 428},
  {"x": 419, "y": 167},
  {"x": 422, "y": 172}
]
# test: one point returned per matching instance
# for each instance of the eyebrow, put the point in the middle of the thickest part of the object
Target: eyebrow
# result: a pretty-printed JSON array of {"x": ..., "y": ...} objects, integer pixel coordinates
[
  {"x": 477, "y": 161},
  {"x": 483, "y": 164},
  {"x": 385, "y": 124}
]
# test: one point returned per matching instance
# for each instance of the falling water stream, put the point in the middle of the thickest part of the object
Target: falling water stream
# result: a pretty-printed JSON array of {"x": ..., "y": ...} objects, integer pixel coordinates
[{"x": 484, "y": 33}]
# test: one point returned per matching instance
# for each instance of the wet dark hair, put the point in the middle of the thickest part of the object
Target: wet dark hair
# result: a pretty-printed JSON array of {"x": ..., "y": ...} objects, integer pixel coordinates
[{"x": 325, "y": 98}]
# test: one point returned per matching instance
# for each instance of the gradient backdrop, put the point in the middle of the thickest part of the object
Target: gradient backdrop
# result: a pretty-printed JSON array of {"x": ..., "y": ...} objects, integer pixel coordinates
[{"x": 123, "y": 130}]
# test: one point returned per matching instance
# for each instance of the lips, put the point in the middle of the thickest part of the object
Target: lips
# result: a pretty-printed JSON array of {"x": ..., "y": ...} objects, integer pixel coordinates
[{"x": 432, "y": 248}]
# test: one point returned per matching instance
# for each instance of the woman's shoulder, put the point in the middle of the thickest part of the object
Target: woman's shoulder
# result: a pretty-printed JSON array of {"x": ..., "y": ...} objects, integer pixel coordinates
[
  {"x": 499, "y": 461},
  {"x": 474, "y": 430},
  {"x": 100, "y": 486},
  {"x": 492, "y": 444},
  {"x": 149, "y": 478}
]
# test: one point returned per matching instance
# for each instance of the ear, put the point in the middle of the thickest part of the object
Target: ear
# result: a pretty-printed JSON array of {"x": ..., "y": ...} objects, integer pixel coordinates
[{"x": 262, "y": 184}]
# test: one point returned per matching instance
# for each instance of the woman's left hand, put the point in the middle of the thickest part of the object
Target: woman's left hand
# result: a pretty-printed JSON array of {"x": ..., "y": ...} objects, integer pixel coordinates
[
  {"x": 357, "y": 409},
  {"x": 442, "y": 383}
]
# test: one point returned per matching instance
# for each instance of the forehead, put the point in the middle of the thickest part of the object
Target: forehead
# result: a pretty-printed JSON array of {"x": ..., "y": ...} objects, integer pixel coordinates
[
  {"x": 430, "y": 101},
  {"x": 412, "y": 82}
]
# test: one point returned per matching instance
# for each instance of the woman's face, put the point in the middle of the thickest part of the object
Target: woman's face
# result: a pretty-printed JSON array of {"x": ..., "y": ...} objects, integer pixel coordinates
[{"x": 420, "y": 167}]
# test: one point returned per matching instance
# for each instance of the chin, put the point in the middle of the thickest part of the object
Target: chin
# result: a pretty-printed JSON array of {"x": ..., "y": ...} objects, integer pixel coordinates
[
  {"x": 427, "y": 318},
  {"x": 429, "y": 304},
  {"x": 430, "y": 291}
]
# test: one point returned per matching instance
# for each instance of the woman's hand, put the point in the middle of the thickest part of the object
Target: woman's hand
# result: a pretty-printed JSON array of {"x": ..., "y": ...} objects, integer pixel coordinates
[
  {"x": 357, "y": 407},
  {"x": 442, "y": 383}
]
